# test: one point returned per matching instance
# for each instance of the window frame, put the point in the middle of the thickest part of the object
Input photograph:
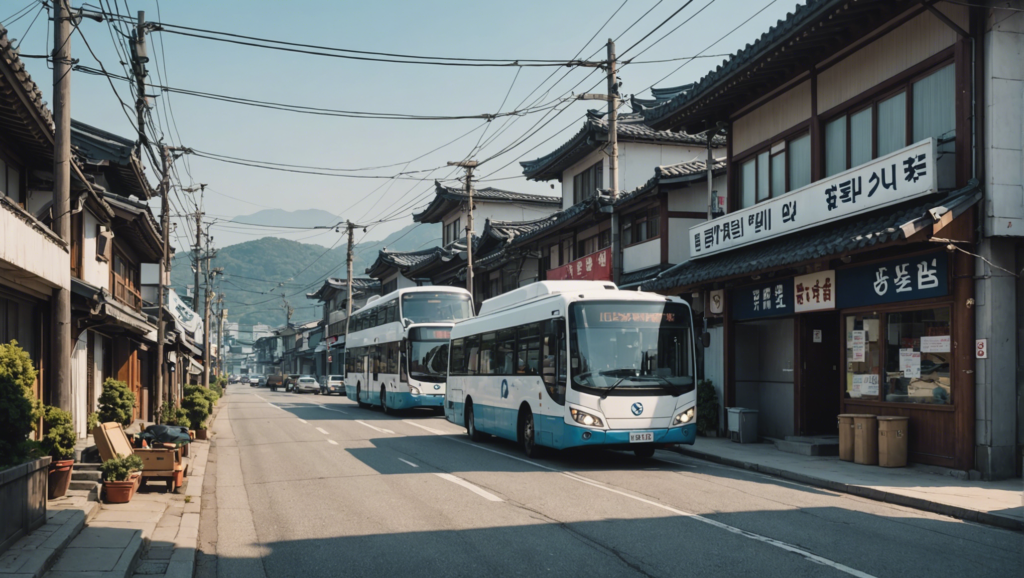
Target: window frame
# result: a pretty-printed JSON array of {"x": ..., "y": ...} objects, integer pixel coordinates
[
  {"x": 765, "y": 151},
  {"x": 589, "y": 179},
  {"x": 641, "y": 220}
]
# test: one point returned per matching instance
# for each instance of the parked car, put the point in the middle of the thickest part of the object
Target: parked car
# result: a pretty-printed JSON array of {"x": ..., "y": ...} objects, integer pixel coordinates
[
  {"x": 289, "y": 381},
  {"x": 275, "y": 381},
  {"x": 333, "y": 384},
  {"x": 254, "y": 381},
  {"x": 306, "y": 384},
  {"x": 263, "y": 381}
]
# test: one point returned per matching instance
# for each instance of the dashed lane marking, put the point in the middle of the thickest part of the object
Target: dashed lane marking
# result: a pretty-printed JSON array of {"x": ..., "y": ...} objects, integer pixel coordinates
[
  {"x": 423, "y": 427},
  {"x": 374, "y": 428},
  {"x": 473, "y": 488},
  {"x": 322, "y": 430},
  {"x": 332, "y": 442},
  {"x": 408, "y": 462},
  {"x": 302, "y": 420}
]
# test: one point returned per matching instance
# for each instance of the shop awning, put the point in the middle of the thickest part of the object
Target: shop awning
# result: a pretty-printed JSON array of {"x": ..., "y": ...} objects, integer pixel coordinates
[
  {"x": 872, "y": 230},
  {"x": 194, "y": 367}
]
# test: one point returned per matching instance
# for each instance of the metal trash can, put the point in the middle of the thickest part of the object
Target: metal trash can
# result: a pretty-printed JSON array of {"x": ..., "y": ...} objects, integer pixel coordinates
[
  {"x": 892, "y": 440},
  {"x": 846, "y": 433},
  {"x": 743, "y": 425},
  {"x": 865, "y": 439}
]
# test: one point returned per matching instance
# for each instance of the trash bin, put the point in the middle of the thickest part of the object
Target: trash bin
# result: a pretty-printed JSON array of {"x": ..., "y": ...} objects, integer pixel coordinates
[
  {"x": 865, "y": 439},
  {"x": 892, "y": 441},
  {"x": 846, "y": 433},
  {"x": 743, "y": 425}
]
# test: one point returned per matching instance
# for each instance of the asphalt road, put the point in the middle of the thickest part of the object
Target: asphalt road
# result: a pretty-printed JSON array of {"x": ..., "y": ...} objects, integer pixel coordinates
[{"x": 313, "y": 486}]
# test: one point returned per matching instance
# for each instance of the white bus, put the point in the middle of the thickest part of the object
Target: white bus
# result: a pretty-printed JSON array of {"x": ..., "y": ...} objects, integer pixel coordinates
[
  {"x": 563, "y": 364},
  {"x": 396, "y": 352}
]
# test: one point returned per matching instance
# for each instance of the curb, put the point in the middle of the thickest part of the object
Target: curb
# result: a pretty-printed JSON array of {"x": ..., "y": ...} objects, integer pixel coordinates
[{"x": 959, "y": 513}]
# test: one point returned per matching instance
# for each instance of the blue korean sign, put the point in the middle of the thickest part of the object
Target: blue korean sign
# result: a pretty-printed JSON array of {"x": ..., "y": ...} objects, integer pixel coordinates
[
  {"x": 764, "y": 300},
  {"x": 893, "y": 281}
]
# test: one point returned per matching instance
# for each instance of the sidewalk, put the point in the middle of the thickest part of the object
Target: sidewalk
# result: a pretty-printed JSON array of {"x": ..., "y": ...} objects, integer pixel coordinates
[{"x": 916, "y": 486}]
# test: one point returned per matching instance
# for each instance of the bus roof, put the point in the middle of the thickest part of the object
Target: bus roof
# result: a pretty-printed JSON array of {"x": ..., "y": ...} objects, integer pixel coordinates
[
  {"x": 542, "y": 289},
  {"x": 375, "y": 300}
]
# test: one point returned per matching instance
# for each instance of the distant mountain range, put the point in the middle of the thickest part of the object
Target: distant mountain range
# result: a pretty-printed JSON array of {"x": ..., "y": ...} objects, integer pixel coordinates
[
  {"x": 258, "y": 273},
  {"x": 277, "y": 222}
]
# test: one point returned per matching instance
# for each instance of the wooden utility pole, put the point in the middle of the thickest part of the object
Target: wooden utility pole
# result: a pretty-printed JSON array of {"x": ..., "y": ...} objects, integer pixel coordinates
[
  {"x": 349, "y": 226},
  {"x": 139, "y": 59},
  {"x": 222, "y": 316},
  {"x": 210, "y": 273},
  {"x": 60, "y": 392},
  {"x": 198, "y": 255},
  {"x": 165, "y": 267},
  {"x": 469, "y": 166},
  {"x": 613, "y": 159}
]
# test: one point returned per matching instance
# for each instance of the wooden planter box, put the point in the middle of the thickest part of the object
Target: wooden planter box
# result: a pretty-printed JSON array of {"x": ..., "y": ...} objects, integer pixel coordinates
[{"x": 22, "y": 500}]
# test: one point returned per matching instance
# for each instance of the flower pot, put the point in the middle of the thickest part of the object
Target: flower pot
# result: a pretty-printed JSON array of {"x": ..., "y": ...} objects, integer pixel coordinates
[
  {"x": 179, "y": 478},
  {"x": 184, "y": 451},
  {"x": 192, "y": 433},
  {"x": 119, "y": 492},
  {"x": 59, "y": 478},
  {"x": 201, "y": 434}
]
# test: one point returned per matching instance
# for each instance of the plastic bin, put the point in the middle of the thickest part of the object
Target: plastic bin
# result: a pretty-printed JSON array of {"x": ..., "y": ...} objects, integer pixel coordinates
[
  {"x": 743, "y": 425},
  {"x": 892, "y": 441},
  {"x": 846, "y": 433},
  {"x": 865, "y": 439}
]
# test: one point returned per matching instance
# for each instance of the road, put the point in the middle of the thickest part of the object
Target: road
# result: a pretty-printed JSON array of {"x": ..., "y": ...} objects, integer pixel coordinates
[{"x": 310, "y": 485}]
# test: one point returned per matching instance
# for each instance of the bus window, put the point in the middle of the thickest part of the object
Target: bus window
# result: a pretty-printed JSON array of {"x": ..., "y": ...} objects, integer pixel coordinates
[
  {"x": 458, "y": 365},
  {"x": 505, "y": 350},
  {"x": 553, "y": 360},
  {"x": 528, "y": 354},
  {"x": 487, "y": 364},
  {"x": 392, "y": 311},
  {"x": 382, "y": 316},
  {"x": 472, "y": 354}
]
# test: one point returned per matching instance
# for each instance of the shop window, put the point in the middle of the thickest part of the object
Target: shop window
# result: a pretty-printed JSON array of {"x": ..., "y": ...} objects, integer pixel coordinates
[
  {"x": 586, "y": 184},
  {"x": 863, "y": 355}
]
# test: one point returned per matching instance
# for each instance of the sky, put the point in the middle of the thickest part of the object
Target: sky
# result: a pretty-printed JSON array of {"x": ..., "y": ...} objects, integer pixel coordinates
[{"x": 525, "y": 29}]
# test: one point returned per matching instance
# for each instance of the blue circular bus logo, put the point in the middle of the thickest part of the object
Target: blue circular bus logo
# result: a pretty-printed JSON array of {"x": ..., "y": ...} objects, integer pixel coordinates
[
  {"x": 437, "y": 386},
  {"x": 637, "y": 408}
]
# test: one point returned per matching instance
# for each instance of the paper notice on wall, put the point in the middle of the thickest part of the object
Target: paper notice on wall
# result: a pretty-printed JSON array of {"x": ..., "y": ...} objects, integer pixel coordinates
[
  {"x": 864, "y": 385},
  {"x": 858, "y": 343},
  {"x": 910, "y": 363},
  {"x": 935, "y": 344},
  {"x": 856, "y": 385}
]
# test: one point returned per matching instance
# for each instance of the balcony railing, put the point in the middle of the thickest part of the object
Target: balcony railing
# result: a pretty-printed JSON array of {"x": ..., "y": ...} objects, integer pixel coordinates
[{"x": 127, "y": 294}]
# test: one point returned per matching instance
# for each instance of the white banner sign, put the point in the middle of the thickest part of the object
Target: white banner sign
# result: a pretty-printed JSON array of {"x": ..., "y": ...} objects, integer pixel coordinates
[
  {"x": 896, "y": 177},
  {"x": 814, "y": 292}
]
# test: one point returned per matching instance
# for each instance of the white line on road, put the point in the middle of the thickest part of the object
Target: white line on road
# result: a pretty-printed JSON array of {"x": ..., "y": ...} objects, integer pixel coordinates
[
  {"x": 332, "y": 442},
  {"x": 408, "y": 462},
  {"x": 429, "y": 429},
  {"x": 322, "y": 430},
  {"x": 330, "y": 408},
  {"x": 764, "y": 539},
  {"x": 475, "y": 489},
  {"x": 302, "y": 420},
  {"x": 381, "y": 430}
]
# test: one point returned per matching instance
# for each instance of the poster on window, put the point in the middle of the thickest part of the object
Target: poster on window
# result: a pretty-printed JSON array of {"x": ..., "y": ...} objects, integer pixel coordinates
[
  {"x": 814, "y": 292},
  {"x": 935, "y": 344},
  {"x": 910, "y": 363},
  {"x": 858, "y": 344},
  {"x": 864, "y": 384}
]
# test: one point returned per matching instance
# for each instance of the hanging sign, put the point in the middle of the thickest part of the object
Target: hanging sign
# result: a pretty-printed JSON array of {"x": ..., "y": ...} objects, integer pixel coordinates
[
  {"x": 893, "y": 281},
  {"x": 716, "y": 302},
  {"x": 894, "y": 178},
  {"x": 764, "y": 300},
  {"x": 815, "y": 292}
]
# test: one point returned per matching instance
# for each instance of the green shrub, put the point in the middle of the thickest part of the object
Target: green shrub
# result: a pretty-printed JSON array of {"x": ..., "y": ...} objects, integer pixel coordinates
[
  {"x": 209, "y": 393},
  {"x": 118, "y": 469},
  {"x": 171, "y": 415},
  {"x": 707, "y": 407},
  {"x": 19, "y": 410},
  {"x": 93, "y": 421},
  {"x": 59, "y": 440},
  {"x": 218, "y": 388},
  {"x": 198, "y": 407},
  {"x": 116, "y": 402}
]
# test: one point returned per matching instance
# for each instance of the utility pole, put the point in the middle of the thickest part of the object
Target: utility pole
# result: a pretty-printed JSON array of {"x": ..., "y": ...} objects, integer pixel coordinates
[
  {"x": 613, "y": 160},
  {"x": 222, "y": 316},
  {"x": 349, "y": 226},
  {"x": 60, "y": 394},
  {"x": 198, "y": 254},
  {"x": 469, "y": 166},
  {"x": 210, "y": 274},
  {"x": 165, "y": 267},
  {"x": 139, "y": 59}
]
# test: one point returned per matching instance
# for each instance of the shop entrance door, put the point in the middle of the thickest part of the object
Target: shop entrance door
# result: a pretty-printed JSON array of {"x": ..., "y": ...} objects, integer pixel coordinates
[{"x": 819, "y": 372}]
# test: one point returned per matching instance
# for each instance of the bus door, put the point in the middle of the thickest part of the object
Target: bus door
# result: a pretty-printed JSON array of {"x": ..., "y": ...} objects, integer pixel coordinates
[{"x": 367, "y": 357}]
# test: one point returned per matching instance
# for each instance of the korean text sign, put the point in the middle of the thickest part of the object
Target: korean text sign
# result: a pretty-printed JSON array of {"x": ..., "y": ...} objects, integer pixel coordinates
[
  {"x": 892, "y": 281},
  {"x": 814, "y": 292},
  {"x": 594, "y": 267},
  {"x": 764, "y": 300},
  {"x": 896, "y": 177}
]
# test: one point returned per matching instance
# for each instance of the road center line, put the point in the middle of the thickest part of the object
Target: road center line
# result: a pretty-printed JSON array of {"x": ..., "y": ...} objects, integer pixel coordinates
[
  {"x": 302, "y": 420},
  {"x": 322, "y": 430},
  {"x": 408, "y": 462},
  {"x": 332, "y": 442},
  {"x": 764, "y": 539},
  {"x": 375, "y": 428},
  {"x": 429, "y": 429},
  {"x": 475, "y": 489}
]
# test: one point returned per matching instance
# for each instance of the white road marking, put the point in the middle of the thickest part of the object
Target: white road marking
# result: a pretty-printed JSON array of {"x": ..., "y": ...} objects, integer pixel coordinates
[
  {"x": 332, "y": 442},
  {"x": 408, "y": 462},
  {"x": 322, "y": 430},
  {"x": 302, "y": 420},
  {"x": 429, "y": 429},
  {"x": 330, "y": 408},
  {"x": 764, "y": 539},
  {"x": 381, "y": 430},
  {"x": 475, "y": 489}
]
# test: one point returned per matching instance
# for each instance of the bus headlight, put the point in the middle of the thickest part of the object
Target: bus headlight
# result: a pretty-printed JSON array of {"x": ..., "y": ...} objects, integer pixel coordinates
[
  {"x": 414, "y": 390},
  {"x": 684, "y": 417},
  {"x": 585, "y": 418}
]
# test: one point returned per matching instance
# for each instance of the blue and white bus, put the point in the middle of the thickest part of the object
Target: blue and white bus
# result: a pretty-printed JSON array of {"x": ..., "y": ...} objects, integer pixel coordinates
[
  {"x": 396, "y": 352},
  {"x": 563, "y": 364}
]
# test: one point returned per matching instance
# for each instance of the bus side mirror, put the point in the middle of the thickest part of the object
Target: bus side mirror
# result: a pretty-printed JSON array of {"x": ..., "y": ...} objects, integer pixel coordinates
[{"x": 705, "y": 339}]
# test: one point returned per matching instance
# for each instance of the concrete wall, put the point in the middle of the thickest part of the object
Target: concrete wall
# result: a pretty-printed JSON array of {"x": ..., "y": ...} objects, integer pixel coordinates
[
  {"x": 44, "y": 264},
  {"x": 782, "y": 112},
  {"x": 484, "y": 210},
  {"x": 1004, "y": 110},
  {"x": 94, "y": 271},
  {"x": 678, "y": 243},
  {"x": 764, "y": 373},
  {"x": 641, "y": 256}
]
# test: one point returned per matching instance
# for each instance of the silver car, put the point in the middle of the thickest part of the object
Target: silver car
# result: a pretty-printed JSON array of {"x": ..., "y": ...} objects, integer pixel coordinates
[
  {"x": 307, "y": 384},
  {"x": 333, "y": 384}
]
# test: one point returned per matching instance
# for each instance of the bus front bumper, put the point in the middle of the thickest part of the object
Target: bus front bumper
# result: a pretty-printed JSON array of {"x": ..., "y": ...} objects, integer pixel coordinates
[
  {"x": 573, "y": 436},
  {"x": 405, "y": 400}
]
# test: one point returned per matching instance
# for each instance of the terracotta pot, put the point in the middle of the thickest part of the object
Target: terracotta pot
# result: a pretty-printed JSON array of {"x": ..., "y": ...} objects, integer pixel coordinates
[
  {"x": 201, "y": 434},
  {"x": 179, "y": 478},
  {"x": 59, "y": 478},
  {"x": 119, "y": 492}
]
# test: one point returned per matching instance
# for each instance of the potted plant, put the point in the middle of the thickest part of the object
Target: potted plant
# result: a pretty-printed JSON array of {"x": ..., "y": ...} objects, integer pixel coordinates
[
  {"x": 197, "y": 404},
  {"x": 118, "y": 483},
  {"x": 116, "y": 402},
  {"x": 707, "y": 408},
  {"x": 59, "y": 441},
  {"x": 19, "y": 411}
]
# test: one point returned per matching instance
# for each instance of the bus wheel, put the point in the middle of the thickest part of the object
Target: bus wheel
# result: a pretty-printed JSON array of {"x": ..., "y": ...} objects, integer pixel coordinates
[
  {"x": 384, "y": 401},
  {"x": 474, "y": 434},
  {"x": 644, "y": 453},
  {"x": 359, "y": 397},
  {"x": 528, "y": 435}
]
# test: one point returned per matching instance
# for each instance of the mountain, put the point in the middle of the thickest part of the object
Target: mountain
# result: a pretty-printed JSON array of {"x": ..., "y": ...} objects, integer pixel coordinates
[
  {"x": 256, "y": 274},
  {"x": 282, "y": 218},
  {"x": 276, "y": 222}
]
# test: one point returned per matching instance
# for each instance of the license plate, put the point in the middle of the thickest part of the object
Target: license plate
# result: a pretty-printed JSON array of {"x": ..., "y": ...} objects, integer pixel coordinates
[{"x": 641, "y": 437}]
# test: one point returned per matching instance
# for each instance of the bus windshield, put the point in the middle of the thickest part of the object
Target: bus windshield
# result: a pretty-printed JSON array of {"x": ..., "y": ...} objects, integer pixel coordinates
[
  {"x": 428, "y": 353},
  {"x": 630, "y": 345},
  {"x": 435, "y": 307}
]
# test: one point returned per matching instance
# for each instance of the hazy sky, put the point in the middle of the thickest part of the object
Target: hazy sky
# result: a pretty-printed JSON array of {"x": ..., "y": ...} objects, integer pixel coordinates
[{"x": 525, "y": 29}]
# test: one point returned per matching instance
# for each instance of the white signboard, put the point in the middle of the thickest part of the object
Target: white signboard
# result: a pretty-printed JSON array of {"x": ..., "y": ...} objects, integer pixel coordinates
[
  {"x": 896, "y": 177},
  {"x": 864, "y": 384},
  {"x": 935, "y": 344},
  {"x": 814, "y": 292},
  {"x": 910, "y": 362},
  {"x": 716, "y": 302}
]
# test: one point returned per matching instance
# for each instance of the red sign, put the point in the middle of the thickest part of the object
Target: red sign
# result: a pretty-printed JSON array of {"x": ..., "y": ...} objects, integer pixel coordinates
[{"x": 594, "y": 267}]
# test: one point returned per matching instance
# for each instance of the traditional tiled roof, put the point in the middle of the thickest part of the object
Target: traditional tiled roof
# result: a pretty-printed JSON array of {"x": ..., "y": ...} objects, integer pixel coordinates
[
  {"x": 336, "y": 285},
  {"x": 447, "y": 199},
  {"x": 594, "y": 134},
  {"x": 530, "y": 230},
  {"x": 811, "y": 33},
  {"x": 25, "y": 121},
  {"x": 114, "y": 155},
  {"x": 633, "y": 279},
  {"x": 874, "y": 229},
  {"x": 695, "y": 170},
  {"x": 403, "y": 260},
  {"x": 135, "y": 221}
]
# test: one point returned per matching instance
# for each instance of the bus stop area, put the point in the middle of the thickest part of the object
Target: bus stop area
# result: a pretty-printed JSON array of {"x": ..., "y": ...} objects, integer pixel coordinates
[{"x": 930, "y": 488}]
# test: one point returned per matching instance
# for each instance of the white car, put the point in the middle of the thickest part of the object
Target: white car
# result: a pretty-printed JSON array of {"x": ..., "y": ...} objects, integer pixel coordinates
[
  {"x": 307, "y": 384},
  {"x": 254, "y": 380},
  {"x": 333, "y": 384}
]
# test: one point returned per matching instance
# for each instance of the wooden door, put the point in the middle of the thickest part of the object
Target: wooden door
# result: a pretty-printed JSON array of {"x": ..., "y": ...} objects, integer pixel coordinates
[{"x": 819, "y": 373}]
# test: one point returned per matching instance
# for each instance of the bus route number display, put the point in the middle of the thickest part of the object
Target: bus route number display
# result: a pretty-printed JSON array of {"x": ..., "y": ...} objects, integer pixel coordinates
[{"x": 637, "y": 317}]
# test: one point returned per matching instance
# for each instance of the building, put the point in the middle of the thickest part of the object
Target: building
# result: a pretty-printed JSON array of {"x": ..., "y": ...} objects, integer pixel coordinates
[
  {"x": 333, "y": 296},
  {"x": 845, "y": 276}
]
